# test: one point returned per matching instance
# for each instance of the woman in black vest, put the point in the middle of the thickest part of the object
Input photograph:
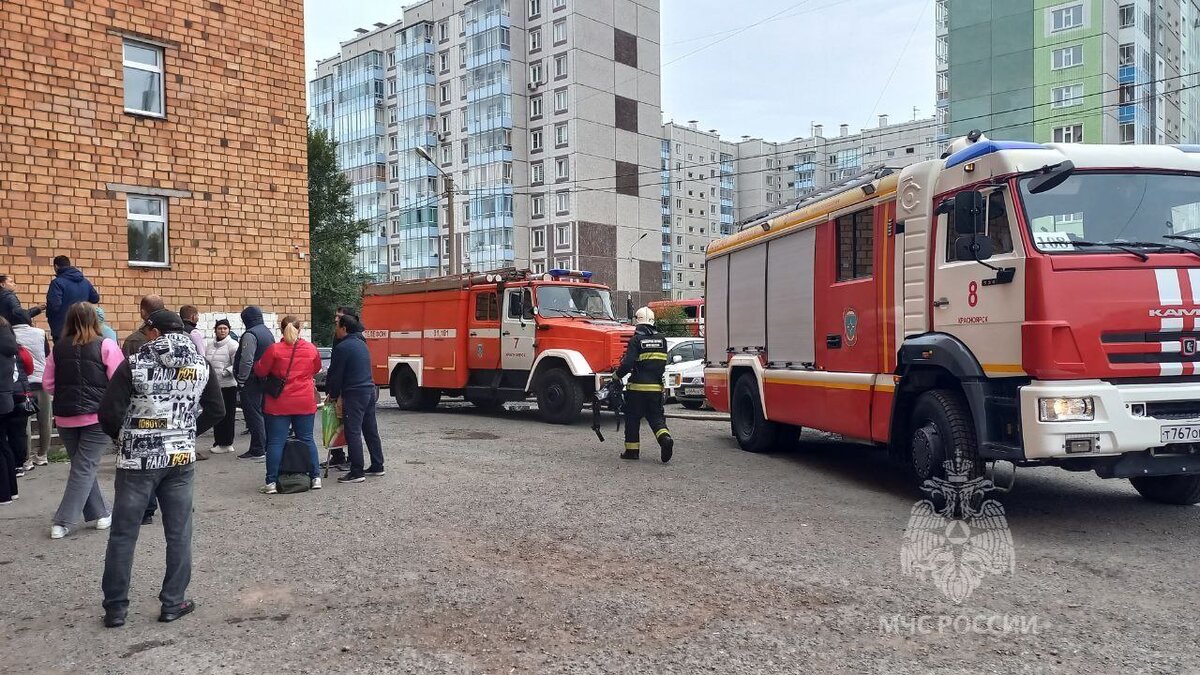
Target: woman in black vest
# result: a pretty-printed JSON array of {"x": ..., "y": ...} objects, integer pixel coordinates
[{"x": 77, "y": 373}]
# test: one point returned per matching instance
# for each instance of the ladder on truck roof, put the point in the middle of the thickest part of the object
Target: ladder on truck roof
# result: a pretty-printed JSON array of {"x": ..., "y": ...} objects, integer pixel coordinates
[
  {"x": 832, "y": 190},
  {"x": 447, "y": 283}
]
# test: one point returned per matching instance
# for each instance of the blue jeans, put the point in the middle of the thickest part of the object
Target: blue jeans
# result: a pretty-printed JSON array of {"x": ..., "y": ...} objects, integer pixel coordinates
[
  {"x": 277, "y": 435},
  {"x": 358, "y": 416}
]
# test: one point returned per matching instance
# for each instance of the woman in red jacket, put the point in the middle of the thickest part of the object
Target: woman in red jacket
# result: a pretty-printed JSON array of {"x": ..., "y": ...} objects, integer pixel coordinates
[{"x": 295, "y": 361}]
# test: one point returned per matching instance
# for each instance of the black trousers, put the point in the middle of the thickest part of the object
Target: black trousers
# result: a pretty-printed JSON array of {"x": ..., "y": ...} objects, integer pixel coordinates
[
  {"x": 10, "y": 455},
  {"x": 647, "y": 405},
  {"x": 223, "y": 432}
]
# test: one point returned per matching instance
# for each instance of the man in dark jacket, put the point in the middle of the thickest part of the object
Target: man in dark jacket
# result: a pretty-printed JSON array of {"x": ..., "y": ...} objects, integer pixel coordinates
[
  {"x": 250, "y": 349},
  {"x": 10, "y": 304},
  {"x": 349, "y": 383},
  {"x": 645, "y": 360},
  {"x": 156, "y": 404},
  {"x": 68, "y": 287},
  {"x": 134, "y": 341}
]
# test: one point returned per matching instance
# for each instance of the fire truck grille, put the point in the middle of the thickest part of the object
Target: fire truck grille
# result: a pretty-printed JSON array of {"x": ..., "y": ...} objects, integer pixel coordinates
[
  {"x": 1173, "y": 410},
  {"x": 1152, "y": 347}
]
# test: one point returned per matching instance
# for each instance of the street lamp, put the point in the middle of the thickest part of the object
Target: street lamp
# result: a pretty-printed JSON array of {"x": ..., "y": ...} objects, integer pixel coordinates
[
  {"x": 637, "y": 272},
  {"x": 452, "y": 252}
]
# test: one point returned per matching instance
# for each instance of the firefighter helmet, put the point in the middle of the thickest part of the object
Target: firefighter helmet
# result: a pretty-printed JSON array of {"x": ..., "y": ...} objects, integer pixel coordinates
[{"x": 644, "y": 315}]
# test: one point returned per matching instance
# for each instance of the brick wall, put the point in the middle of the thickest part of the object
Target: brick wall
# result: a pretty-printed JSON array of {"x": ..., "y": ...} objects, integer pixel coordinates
[{"x": 230, "y": 153}]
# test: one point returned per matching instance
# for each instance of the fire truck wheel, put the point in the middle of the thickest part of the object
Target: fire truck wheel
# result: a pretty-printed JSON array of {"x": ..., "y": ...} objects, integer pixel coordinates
[
  {"x": 1181, "y": 490},
  {"x": 692, "y": 405},
  {"x": 408, "y": 395},
  {"x": 753, "y": 432},
  {"x": 559, "y": 396},
  {"x": 942, "y": 429}
]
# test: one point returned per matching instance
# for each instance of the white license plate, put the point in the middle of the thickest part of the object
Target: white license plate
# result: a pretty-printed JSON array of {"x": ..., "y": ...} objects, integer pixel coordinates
[
  {"x": 1181, "y": 434},
  {"x": 693, "y": 391}
]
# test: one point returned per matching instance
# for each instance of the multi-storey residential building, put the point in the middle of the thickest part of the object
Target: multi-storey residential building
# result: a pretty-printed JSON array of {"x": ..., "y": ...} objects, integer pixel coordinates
[
  {"x": 709, "y": 185},
  {"x": 1094, "y": 71},
  {"x": 160, "y": 144},
  {"x": 544, "y": 113}
]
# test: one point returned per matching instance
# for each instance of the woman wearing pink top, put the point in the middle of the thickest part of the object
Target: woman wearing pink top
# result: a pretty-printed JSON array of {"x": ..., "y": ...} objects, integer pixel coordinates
[{"x": 77, "y": 373}]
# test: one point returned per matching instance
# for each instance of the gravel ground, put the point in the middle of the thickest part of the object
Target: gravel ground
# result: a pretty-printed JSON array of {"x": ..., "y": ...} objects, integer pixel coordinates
[{"x": 497, "y": 544}]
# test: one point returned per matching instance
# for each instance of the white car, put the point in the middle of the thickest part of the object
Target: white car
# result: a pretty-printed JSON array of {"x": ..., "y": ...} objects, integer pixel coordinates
[
  {"x": 682, "y": 354},
  {"x": 690, "y": 392}
]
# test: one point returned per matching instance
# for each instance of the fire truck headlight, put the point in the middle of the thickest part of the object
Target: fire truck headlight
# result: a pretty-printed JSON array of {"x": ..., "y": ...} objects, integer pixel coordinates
[{"x": 1066, "y": 409}]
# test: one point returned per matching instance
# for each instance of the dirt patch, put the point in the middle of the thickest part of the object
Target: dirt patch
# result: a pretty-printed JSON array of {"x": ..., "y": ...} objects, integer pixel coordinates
[
  {"x": 469, "y": 435},
  {"x": 145, "y": 647}
]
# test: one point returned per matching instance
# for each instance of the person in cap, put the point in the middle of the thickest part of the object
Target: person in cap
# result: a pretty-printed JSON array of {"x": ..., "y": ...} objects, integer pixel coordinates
[
  {"x": 158, "y": 401},
  {"x": 645, "y": 360},
  {"x": 221, "y": 355}
]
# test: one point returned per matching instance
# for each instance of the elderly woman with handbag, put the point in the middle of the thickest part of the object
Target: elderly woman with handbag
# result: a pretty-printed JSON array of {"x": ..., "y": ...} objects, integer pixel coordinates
[{"x": 287, "y": 370}]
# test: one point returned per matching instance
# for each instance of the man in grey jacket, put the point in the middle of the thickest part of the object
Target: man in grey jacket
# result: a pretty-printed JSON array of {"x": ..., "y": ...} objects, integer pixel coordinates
[{"x": 251, "y": 347}]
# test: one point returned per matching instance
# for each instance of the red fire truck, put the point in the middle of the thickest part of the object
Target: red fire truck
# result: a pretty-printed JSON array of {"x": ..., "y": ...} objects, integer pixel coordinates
[
  {"x": 1034, "y": 304},
  {"x": 495, "y": 337},
  {"x": 693, "y": 310}
]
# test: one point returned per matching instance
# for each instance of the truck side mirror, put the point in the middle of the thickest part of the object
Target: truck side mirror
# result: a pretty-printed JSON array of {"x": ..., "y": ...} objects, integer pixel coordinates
[
  {"x": 973, "y": 247},
  {"x": 969, "y": 212},
  {"x": 677, "y": 359}
]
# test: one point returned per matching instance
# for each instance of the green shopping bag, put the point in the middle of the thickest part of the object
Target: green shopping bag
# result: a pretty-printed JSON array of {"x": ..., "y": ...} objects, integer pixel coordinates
[{"x": 331, "y": 427}]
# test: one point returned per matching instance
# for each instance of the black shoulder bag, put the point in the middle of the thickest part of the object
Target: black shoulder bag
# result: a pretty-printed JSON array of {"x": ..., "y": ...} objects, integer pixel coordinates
[{"x": 273, "y": 386}]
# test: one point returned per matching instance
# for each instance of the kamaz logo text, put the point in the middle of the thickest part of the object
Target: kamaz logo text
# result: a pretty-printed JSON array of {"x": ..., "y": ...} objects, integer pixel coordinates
[{"x": 1174, "y": 313}]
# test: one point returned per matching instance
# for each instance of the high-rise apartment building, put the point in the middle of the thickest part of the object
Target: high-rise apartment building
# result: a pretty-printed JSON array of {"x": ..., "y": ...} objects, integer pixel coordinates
[
  {"x": 1093, "y": 71},
  {"x": 710, "y": 185},
  {"x": 544, "y": 113},
  {"x": 160, "y": 144}
]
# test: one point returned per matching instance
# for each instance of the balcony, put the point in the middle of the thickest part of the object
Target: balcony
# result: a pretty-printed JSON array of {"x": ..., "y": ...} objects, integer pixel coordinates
[
  {"x": 418, "y": 109},
  {"x": 499, "y": 88},
  {"x": 489, "y": 56},
  {"x": 492, "y": 123},
  {"x": 415, "y": 48},
  {"x": 485, "y": 23}
]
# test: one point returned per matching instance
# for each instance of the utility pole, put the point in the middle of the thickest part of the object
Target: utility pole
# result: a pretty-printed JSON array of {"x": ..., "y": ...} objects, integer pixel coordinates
[{"x": 454, "y": 265}]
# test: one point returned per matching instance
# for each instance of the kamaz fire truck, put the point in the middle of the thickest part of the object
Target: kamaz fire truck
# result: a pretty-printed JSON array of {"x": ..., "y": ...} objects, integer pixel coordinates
[
  {"x": 1013, "y": 302},
  {"x": 495, "y": 337}
]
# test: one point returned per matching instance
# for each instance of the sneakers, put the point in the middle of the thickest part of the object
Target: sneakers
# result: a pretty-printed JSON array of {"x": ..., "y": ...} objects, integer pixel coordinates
[
  {"x": 20, "y": 472},
  {"x": 316, "y": 483},
  {"x": 6, "y": 503},
  {"x": 58, "y": 532},
  {"x": 268, "y": 489},
  {"x": 104, "y": 523},
  {"x": 375, "y": 473},
  {"x": 220, "y": 449},
  {"x": 254, "y": 456},
  {"x": 179, "y": 611},
  {"x": 352, "y": 478},
  {"x": 41, "y": 461}
]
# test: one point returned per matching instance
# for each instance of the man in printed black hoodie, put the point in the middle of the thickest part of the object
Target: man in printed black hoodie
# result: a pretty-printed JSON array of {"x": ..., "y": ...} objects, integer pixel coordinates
[{"x": 68, "y": 287}]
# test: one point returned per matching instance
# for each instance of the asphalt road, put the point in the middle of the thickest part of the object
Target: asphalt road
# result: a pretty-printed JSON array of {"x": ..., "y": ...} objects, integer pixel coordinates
[{"x": 497, "y": 544}]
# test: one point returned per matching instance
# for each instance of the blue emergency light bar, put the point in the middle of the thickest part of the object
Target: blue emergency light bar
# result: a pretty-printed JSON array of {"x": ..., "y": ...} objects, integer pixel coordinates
[{"x": 575, "y": 274}]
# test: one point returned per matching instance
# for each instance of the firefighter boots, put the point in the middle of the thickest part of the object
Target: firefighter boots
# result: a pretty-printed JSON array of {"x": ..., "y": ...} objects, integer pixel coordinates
[
  {"x": 632, "y": 451},
  {"x": 667, "y": 444}
]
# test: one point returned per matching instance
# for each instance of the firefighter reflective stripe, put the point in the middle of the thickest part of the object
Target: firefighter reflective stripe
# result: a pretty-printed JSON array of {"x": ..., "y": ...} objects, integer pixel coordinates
[
  {"x": 662, "y": 432},
  {"x": 637, "y": 386},
  {"x": 633, "y": 446},
  {"x": 653, "y": 356}
]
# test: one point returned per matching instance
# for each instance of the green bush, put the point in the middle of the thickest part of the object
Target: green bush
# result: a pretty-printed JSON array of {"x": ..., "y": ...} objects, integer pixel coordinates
[{"x": 671, "y": 322}]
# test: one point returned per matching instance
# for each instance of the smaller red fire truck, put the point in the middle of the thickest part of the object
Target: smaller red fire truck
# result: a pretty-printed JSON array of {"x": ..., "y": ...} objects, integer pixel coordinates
[
  {"x": 693, "y": 310},
  {"x": 495, "y": 337}
]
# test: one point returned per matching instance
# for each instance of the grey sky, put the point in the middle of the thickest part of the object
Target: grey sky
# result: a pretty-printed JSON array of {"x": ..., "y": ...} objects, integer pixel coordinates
[{"x": 728, "y": 65}]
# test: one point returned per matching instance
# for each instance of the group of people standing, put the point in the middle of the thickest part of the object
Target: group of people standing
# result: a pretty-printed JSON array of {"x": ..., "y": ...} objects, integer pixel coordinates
[{"x": 152, "y": 395}]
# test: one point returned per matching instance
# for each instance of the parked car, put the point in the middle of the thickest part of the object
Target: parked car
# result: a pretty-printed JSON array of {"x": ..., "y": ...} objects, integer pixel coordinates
[
  {"x": 326, "y": 356},
  {"x": 682, "y": 354},
  {"x": 690, "y": 392}
]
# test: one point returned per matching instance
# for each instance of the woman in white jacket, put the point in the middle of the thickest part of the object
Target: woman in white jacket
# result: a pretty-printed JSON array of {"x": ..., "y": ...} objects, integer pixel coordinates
[{"x": 220, "y": 355}]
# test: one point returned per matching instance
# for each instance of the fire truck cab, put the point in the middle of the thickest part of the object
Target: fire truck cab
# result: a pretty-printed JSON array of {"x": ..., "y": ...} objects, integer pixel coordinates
[
  {"x": 1012, "y": 302},
  {"x": 495, "y": 337}
]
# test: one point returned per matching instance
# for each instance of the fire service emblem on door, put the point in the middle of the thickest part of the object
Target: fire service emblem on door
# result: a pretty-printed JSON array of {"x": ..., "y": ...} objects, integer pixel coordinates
[{"x": 850, "y": 322}]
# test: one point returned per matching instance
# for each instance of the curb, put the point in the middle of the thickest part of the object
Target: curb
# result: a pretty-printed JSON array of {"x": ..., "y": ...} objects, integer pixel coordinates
[{"x": 699, "y": 417}]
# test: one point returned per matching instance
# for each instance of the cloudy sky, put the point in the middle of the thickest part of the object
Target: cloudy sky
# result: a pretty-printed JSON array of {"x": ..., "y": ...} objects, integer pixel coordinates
[{"x": 763, "y": 68}]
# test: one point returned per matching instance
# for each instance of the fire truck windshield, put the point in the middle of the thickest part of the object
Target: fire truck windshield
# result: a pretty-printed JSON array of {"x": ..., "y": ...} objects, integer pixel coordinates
[
  {"x": 1094, "y": 211},
  {"x": 574, "y": 300}
]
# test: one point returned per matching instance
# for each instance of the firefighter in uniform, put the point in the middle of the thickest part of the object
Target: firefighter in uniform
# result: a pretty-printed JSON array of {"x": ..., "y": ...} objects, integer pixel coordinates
[{"x": 645, "y": 360}]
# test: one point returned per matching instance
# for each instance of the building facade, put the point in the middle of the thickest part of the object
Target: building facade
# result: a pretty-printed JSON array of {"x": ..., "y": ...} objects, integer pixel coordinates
[
  {"x": 545, "y": 114},
  {"x": 160, "y": 144},
  {"x": 710, "y": 185},
  {"x": 1093, "y": 71}
]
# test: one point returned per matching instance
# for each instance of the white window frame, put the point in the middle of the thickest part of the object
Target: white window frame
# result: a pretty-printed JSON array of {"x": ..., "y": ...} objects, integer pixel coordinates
[
  {"x": 1058, "y": 58},
  {"x": 1062, "y": 13},
  {"x": 537, "y": 173},
  {"x": 539, "y": 267},
  {"x": 1132, "y": 16},
  {"x": 1066, "y": 134},
  {"x": 562, "y": 168},
  {"x": 1132, "y": 128},
  {"x": 558, "y": 32},
  {"x": 564, "y": 95},
  {"x": 562, "y": 263},
  {"x": 561, "y": 68},
  {"x": 562, "y": 236},
  {"x": 562, "y": 134},
  {"x": 536, "y": 141},
  {"x": 1059, "y": 97},
  {"x": 562, "y": 202},
  {"x": 159, "y": 70},
  {"x": 535, "y": 39},
  {"x": 536, "y": 73},
  {"x": 537, "y": 208},
  {"x": 559, "y": 4},
  {"x": 535, "y": 7},
  {"x": 147, "y": 218},
  {"x": 536, "y": 109}
]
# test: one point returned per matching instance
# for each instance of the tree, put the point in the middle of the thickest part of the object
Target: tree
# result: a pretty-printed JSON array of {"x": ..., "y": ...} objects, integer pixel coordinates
[
  {"x": 671, "y": 321},
  {"x": 333, "y": 236}
]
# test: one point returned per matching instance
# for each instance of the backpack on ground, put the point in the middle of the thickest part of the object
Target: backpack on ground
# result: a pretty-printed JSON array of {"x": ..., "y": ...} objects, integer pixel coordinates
[{"x": 295, "y": 468}]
